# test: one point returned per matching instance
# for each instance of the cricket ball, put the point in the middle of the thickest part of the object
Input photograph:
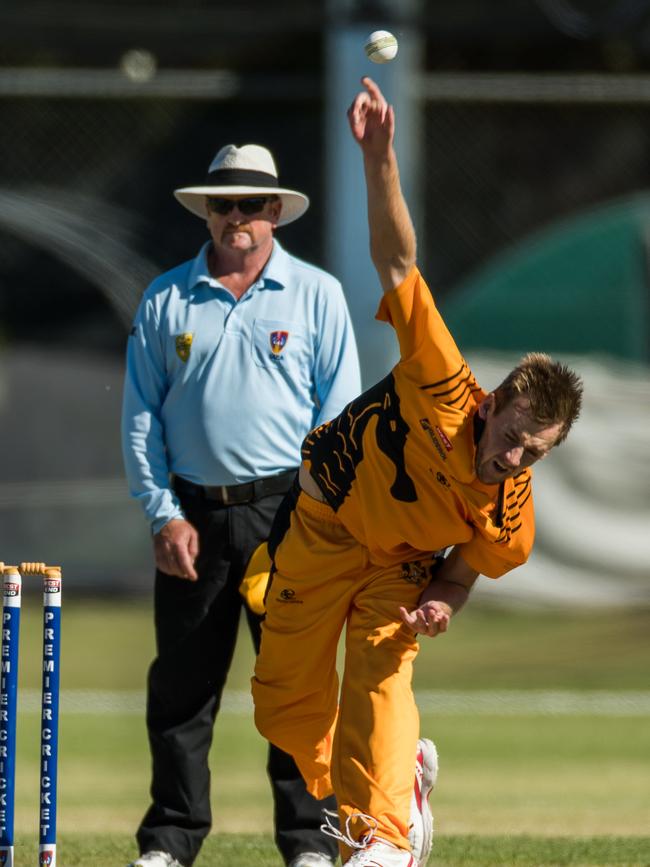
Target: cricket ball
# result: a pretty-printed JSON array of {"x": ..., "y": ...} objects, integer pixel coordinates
[{"x": 381, "y": 46}]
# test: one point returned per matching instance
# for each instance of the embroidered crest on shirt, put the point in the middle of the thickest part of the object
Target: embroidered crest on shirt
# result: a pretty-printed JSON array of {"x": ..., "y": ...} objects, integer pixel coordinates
[
  {"x": 184, "y": 345},
  {"x": 289, "y": 596},
  {"x": 414, "y": 573},
  {"x": 278, "y": 340}
]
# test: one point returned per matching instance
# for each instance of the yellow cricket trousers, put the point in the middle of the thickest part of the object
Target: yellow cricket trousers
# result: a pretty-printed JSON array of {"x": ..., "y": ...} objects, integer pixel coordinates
[{"x": 362, "y": 746}]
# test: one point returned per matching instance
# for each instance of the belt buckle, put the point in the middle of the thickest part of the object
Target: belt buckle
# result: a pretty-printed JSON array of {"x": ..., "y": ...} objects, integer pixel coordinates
[{"x": 224, "y": 494}]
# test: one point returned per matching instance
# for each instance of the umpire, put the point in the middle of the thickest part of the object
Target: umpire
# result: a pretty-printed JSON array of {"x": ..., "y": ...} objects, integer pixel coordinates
[{"x": 234, "y": 356}]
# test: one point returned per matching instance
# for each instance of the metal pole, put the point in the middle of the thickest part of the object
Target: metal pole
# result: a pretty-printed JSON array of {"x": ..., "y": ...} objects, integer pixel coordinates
[{"x": 347, "y": 241}]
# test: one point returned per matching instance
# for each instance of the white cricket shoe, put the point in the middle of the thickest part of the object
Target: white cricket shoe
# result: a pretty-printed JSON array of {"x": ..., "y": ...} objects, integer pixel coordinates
[
  {"x": 421, "y": 820},
  {"x": 312, "y": 859},
  {"x": 155, "y": 859},
  {"x": 380, "y": 853}
]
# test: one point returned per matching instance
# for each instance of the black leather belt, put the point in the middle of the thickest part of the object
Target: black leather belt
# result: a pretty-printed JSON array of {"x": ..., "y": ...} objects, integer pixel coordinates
[{"x": 236, "y": 495}]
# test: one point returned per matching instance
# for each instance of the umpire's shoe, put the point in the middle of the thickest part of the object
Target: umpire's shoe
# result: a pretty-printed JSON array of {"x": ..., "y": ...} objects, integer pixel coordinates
[
  {"x": 155, "y": 859},
  {"x": 312, "y": 859}
]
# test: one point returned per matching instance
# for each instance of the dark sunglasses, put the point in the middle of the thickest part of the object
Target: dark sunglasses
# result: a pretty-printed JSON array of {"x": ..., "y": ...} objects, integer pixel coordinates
[{"x": 247, "y": 207}]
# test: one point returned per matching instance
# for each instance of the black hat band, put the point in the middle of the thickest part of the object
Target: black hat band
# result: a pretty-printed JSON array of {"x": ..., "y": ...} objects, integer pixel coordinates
[{"x": 241, "y": 178}]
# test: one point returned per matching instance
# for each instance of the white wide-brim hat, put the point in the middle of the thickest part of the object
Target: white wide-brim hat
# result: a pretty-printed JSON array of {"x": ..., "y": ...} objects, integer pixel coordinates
[{"x": 246, "y": 171}]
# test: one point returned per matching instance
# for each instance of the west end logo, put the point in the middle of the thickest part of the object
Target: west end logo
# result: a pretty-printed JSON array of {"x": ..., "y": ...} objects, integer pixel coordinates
[
  {"x": 278, "y": 340},
  {"x": 414, "y": 572},
  {"x": 184, "y": 345},
  {"x": 288, "y": 595}
]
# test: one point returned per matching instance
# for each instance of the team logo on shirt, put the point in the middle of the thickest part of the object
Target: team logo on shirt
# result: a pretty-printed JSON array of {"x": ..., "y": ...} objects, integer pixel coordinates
[
  {"x": 278, "y": 340},
  {"x": 288, "y": 595},
  {"x": 184, "y": 345},
  {"x": 414, "y": 573}
]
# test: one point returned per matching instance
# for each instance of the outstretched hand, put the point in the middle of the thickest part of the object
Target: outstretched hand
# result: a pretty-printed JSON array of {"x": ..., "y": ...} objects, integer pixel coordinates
[
  {"x": 371, "y": 119},
  {"x": 430, "y": 618}
]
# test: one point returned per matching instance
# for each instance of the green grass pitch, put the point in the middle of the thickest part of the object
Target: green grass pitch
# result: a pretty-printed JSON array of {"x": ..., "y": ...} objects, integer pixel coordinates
[{"x": 514, "y": 788}]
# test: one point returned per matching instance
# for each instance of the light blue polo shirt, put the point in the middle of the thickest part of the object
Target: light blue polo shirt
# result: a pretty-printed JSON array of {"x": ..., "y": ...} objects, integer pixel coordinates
[{"x": 221, "y": 391}]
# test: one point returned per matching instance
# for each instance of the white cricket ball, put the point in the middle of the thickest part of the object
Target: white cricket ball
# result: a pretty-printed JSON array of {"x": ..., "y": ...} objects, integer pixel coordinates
[{"x": 381, "y": 46}]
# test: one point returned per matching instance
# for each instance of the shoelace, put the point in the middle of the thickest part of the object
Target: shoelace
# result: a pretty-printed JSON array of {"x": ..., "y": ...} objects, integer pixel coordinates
[{"x": 329, "y": 828}]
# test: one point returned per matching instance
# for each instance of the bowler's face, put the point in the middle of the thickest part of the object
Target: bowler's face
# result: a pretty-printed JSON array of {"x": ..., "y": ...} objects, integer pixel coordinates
[
  {"x": 237, "y": 232},
  {"x": 511, "y": 440}
]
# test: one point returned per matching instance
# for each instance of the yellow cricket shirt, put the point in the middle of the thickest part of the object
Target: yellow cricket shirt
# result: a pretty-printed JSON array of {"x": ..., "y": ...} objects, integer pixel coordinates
[{"x": 398, "y": 464}]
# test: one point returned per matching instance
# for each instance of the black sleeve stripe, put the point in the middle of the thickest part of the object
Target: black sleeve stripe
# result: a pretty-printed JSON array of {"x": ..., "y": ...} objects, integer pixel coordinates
[
  {"x": 522, "y": 486},
  {"x": 468, "y": 397},
  {"x": 468, "y": 390},
  {"x": 507, "y": 534},
  {"x": 440, "y": 394},
  {"x": 464, "y": 396},
  {"x": 458, "y": 384},
  {"x": 448, "y": 379},
  {"x": 525, "y": 499}
]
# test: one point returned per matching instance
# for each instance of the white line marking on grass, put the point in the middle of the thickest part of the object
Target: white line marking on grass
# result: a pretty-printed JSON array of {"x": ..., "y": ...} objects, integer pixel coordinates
[
  {"x": 537, "y": 702},
  {"x": 507, "y": 702}
]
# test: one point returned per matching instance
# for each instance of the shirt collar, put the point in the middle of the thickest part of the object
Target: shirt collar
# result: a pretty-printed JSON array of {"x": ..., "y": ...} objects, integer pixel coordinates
[{"x": 274, "y": 276}]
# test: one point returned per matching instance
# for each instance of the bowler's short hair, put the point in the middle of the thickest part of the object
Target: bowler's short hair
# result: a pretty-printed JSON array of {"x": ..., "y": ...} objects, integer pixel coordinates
[{"x": 553, "y": 389}]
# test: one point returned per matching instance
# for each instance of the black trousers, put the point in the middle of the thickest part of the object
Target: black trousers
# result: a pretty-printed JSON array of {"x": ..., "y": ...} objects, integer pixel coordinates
[{"x": 196, "y": 630}]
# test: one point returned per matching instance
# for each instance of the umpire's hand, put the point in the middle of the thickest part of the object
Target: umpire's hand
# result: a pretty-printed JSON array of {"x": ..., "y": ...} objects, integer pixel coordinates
[{"x": 176, "y": 548}]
